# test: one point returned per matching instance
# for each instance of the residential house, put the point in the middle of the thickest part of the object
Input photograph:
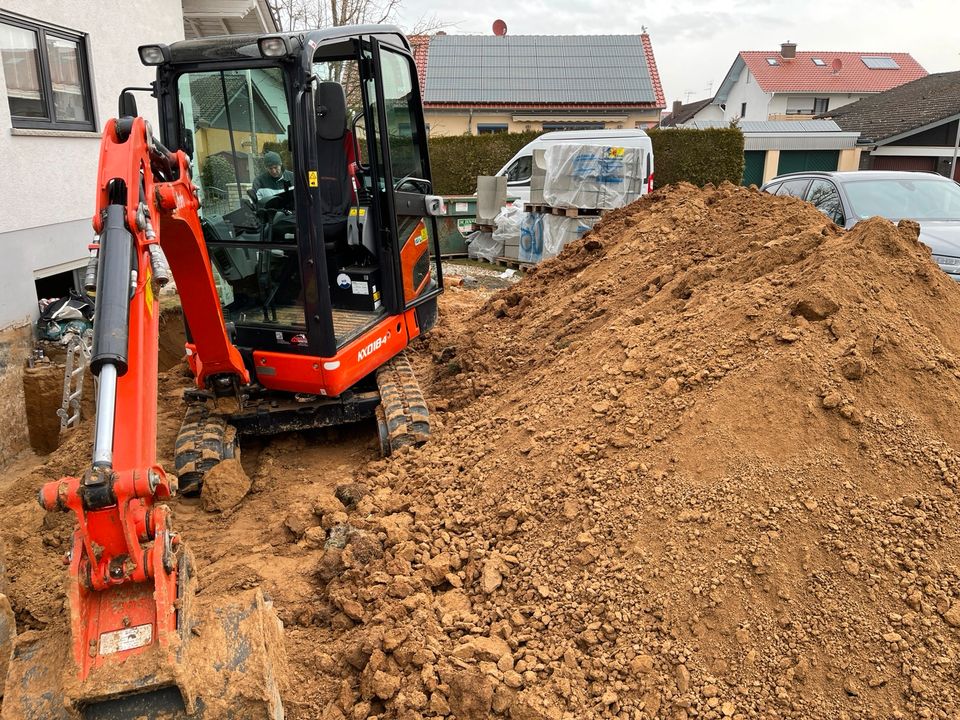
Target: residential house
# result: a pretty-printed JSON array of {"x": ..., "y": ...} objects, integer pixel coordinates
[
  {"x": 63, "y": 67},
  {"x": 774, "y": 147},
  {"x": 511, "y": 83},
  {"x": 791, "y": 85},
  {"x": 682, "y": 113},
  {"x": 911, "y": 127}
]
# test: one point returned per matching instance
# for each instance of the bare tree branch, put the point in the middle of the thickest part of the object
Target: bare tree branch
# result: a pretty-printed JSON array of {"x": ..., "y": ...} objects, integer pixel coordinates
[{"x": 308, "y": 14}]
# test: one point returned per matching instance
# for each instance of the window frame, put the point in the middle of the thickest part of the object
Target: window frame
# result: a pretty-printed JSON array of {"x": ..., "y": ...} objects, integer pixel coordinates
[
  {"x": 792, "y": 181},
  {"x": 41, "y": 31},
  {"x": 523, "y": 181},
  {"x": 491, "y": 128},
  {"x": 808, "y": 196}
]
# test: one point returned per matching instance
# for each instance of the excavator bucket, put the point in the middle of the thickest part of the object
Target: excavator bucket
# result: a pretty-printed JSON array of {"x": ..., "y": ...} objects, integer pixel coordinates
[{"x": 229, "y": 665}]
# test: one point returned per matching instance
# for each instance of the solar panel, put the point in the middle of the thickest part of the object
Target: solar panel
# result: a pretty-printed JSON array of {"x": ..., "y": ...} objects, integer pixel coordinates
[{"x": 879, "y": 63}]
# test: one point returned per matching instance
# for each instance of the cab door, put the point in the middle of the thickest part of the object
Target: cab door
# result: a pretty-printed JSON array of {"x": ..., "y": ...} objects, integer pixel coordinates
[{"x": 400, "y": 137}]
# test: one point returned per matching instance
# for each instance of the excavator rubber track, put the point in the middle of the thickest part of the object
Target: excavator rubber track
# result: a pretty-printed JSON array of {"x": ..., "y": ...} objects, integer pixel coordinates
[
  {"x": 403, "y": 419},
  {"x": 205, "y": 439}
]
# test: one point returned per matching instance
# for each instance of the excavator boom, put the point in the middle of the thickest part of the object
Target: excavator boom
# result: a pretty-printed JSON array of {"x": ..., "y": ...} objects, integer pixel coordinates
[{"x": 139, "y": 646}]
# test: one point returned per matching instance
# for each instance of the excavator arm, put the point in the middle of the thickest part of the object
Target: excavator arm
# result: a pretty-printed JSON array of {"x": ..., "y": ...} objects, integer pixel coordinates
[{"x": 130, "y": 583}]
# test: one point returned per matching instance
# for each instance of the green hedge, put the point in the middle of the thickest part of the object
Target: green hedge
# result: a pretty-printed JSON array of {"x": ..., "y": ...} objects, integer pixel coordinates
[
  {"x": 697, "y": 156},
  {"x": 457, "y": 160}
]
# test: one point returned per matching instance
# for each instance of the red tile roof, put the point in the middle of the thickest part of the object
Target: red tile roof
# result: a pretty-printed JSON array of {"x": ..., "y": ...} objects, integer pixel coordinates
[
  {"x": 420, "y": 44},
  {"x": 654, "y": 73},
  {"x": 801, "y": 74}
]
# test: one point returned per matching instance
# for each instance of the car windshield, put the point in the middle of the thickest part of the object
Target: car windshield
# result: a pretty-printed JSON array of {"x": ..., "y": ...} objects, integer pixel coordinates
[{"x": 922, "y": 198}]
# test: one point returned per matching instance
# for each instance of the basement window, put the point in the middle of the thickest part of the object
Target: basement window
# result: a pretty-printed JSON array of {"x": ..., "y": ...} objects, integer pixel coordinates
[
  {"x": 47, "y": 75},
  {"x": 490, "y": 128}
]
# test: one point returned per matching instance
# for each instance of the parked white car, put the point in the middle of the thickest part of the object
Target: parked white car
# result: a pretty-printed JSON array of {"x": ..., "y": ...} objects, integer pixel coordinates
[{"x": 520, "y": 167}]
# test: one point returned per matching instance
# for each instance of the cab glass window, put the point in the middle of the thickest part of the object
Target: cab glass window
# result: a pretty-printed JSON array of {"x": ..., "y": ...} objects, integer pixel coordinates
[{"x": 243, "y": 170}]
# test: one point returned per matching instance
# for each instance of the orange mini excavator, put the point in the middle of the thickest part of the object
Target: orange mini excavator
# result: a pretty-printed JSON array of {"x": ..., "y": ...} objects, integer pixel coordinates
[{"x": 295, "y": 213}]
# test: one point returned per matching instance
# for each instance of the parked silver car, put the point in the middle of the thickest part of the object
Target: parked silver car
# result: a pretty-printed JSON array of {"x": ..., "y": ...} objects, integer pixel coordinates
[{"x": 848, "y": 197}]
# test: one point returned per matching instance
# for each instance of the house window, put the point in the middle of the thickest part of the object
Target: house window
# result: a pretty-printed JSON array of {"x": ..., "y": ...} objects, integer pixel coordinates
[
  {"x": 47, "y": 76},
  {"x": 743, "y": 110},
  {"x": 806, "y": 105},
  {"x": 799, "y": 105},
  {"x": 552, "y": 126},
  {"x": 489, "y": 128}
]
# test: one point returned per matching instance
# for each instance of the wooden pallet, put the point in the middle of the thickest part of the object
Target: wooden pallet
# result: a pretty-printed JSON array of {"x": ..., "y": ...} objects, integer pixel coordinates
[
  {"x": 563, "y": 212},
  {"x": 512, "y": 263}
]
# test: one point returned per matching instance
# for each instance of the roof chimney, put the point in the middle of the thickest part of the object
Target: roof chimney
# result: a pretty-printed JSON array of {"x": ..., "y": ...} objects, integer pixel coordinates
[
  {"x": 788, "y": 50},
  {"x": 677, "y": 105}
]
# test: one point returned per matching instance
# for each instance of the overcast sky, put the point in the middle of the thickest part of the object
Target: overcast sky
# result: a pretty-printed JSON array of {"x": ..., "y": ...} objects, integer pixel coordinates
[{"x": 695, "y": 42}]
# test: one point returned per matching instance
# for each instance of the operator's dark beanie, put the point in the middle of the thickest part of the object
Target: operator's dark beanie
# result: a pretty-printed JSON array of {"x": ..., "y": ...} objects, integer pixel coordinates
[{"x": 271, "y": 158}]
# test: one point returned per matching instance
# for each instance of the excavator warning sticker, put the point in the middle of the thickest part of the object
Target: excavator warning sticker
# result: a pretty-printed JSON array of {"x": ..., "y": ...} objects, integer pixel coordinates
[
  {"x": 148, "y": 291},
  {"x": 126, "y": 639},
  {"x": 421, "y": 238},
  {"x": 312, "y": 178}
]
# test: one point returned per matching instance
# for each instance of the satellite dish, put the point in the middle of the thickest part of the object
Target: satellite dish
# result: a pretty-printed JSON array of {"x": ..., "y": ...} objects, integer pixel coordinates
[
  {"x": 499, "y": 28},
  {"x": 837, "y": 65}
]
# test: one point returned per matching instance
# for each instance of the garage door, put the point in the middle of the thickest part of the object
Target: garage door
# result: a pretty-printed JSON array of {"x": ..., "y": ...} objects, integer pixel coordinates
[
  {"x": 806, "y": 160},
  {"x": 753, "y": 167},
  {"x": 920, "y": 164}
]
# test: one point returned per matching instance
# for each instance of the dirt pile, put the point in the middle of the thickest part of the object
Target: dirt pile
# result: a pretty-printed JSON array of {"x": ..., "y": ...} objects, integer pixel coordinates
[{"x": 701, "y": 465}]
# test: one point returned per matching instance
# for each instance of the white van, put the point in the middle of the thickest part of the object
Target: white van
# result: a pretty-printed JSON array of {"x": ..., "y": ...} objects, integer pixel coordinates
[{"x": 520, "y": 167}]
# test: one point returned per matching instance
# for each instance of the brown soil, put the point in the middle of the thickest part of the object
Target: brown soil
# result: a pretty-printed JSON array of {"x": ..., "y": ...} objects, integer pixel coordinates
[
  {"x": 224, "y": 487},
  {"x": 43, "y": 396},
  {"x": 700, "y": 465}
]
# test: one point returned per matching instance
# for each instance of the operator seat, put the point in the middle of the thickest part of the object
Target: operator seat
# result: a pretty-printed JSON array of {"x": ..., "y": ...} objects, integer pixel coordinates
[{"x": 332, "y": 172}]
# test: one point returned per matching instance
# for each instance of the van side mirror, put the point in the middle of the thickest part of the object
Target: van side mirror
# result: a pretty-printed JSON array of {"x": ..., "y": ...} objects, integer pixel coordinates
[{"x": 127, "y": 104}]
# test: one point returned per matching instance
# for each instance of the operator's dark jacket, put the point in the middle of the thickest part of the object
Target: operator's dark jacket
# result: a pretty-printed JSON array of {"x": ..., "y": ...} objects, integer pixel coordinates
[{"x": 266, "y": 181}]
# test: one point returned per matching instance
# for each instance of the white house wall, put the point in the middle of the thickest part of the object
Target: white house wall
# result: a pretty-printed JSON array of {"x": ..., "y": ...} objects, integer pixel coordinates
[
  {"x": 48, "y": 180},
  {"x": 745, "y": 90}
]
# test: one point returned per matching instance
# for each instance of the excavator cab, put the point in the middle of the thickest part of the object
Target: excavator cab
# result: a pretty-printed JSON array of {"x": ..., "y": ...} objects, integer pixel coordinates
[
  {"x": 290, "y": 199},
  {"x": 311, "y": 259}
]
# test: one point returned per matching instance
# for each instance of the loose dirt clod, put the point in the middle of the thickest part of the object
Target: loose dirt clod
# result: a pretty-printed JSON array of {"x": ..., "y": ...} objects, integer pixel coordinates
[
  {"x": 224, "y": 486},
  {"x": 703, "y": 464}
]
